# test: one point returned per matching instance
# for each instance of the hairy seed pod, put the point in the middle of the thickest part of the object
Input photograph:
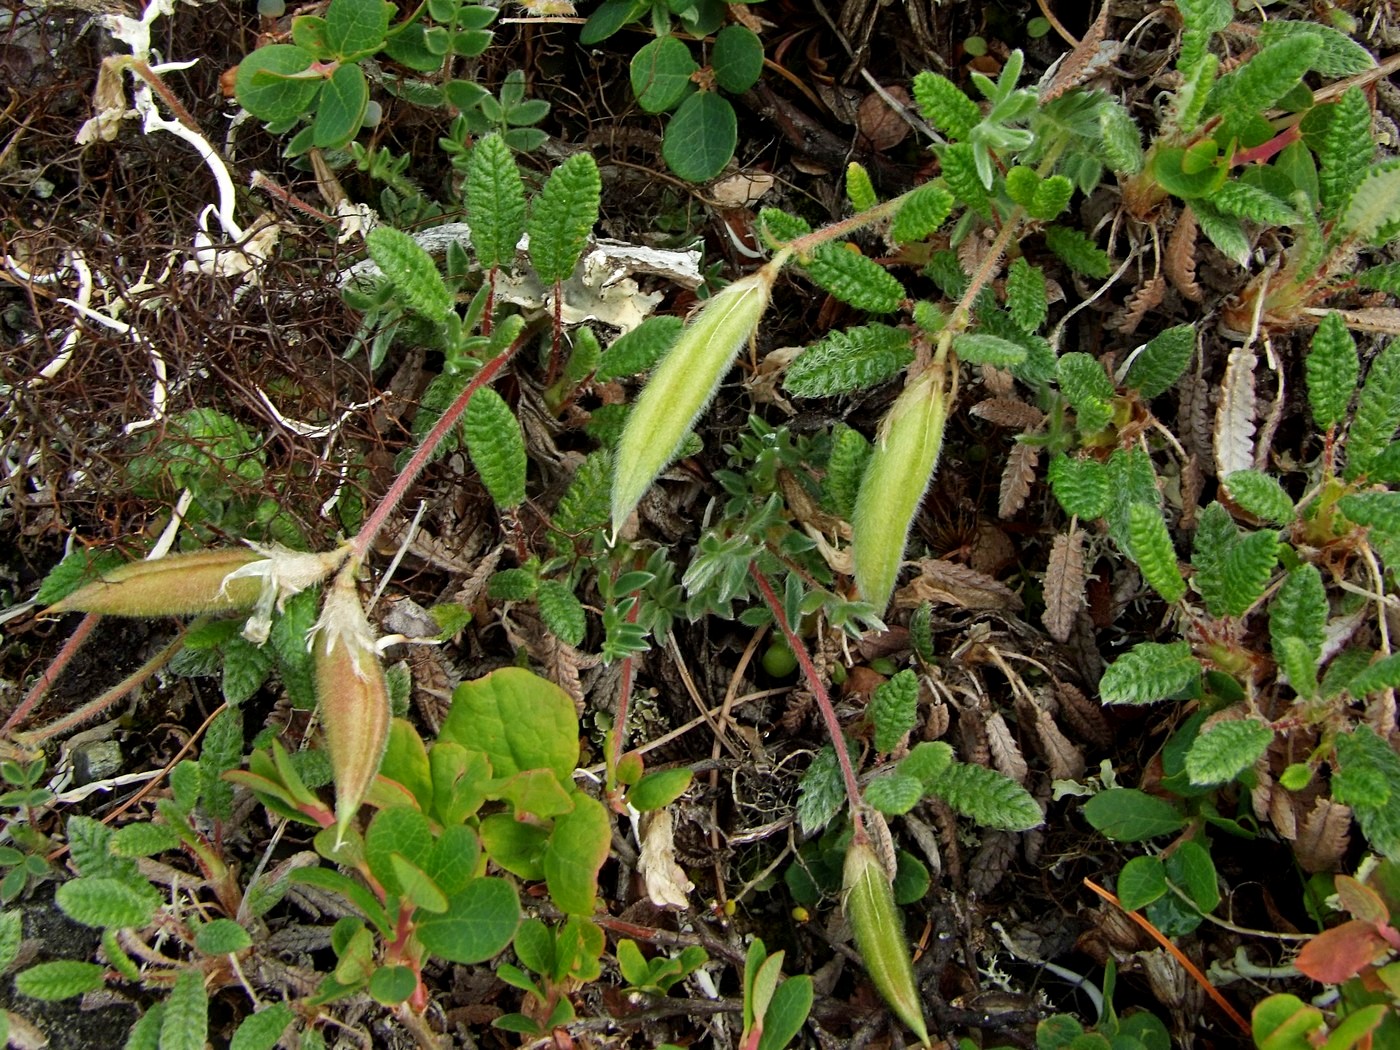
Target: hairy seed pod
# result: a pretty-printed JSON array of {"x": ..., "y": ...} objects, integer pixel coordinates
[
  {"x": 176, "y": 585},
  {"x": 353, "y": 695},
  {"x": 895, "y": 480},
  {"x": 683, "y": 384},
  {"x": 879, "y": 930}
]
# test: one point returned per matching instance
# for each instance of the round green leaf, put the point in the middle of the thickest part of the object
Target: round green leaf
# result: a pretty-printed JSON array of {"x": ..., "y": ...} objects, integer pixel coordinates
[
  {"x": 518, "y": 719},
  {"x": 479, "y": 922},
  {"x": 701, "y": 137},
  {"x": 737, "y": 59},
  {"x": 356, "y": 26},
  {"x": 577, "y": 848},
  {"x": 341, "y": 109},
  {"x": 661, "y": 72},
  {"x": 266, "y": 85},
  {"x": 391, "y": 985},
  {"x": 1141, "y": 882}
]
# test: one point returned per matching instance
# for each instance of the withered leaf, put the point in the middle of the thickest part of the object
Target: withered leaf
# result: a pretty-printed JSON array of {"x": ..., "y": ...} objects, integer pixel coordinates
[
  {"x": 1064, "y": 584},
  {"x": 1008, "y": 412},
  {"x": 948, "y": 583},
  {"x": 1016, "y": 478}
]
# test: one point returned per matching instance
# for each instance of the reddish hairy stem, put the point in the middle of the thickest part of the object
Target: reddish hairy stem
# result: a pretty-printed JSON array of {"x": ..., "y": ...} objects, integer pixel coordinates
[
  {"x": 814, "y": 682},
  {"x": 51, "y": 673},
  {"x": 359, "y": 546}
]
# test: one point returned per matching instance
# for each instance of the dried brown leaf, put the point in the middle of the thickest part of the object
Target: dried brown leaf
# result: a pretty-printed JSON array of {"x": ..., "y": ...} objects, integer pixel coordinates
[
  {"x": 666, "y": 882},
  {"x": 1235, "y": 415},
  {"x": 991, "y": 861},
  {"x": 1006, "y": 753},
  {"x": 1192, "y": 419},
  {"x": 1384, "y": 320},
  {"x": 1089, "y": 57},
  {"x": 1016, "y": 478},
  {"x": 1193, "y": 482},
  {"x": 1065, "y": 761},
  {"x": 948, "y": 583},
  {"x": 992, "y": 550},
  {"x": 1082, "y": 715},
  {"x": 1135, "y": 308},
  {"x": 1064, "y": 584},
  {"x": 1323, "y": 836},
  {"x": 998, "y": 382},
  {"x": 1179, "y": 261},
  {"x": 1008, "y": 412}
]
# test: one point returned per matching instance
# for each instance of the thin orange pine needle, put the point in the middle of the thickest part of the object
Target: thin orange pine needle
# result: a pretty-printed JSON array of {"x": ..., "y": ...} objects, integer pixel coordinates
[{"x": 1186, "y": 964}]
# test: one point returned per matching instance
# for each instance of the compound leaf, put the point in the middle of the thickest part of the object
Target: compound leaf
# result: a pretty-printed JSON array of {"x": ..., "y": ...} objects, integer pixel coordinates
[
  {"x": 1152, "y": 549},
  {"x": 411, "y": 269},
  {"x": 855, "y": 279},
  {"x": 847, "y": 360},
  {"x": 495, "y": 199},
  {"x": 1150, "y": 671},
  {"x": 1162, "y": 360},
  {"x": 991, "y": 798},
  {"x": 562, "y": 216},
  {"x": 1226, "y": 750},
  {"x": 1332, "y": 370},
  {"x": 496, "y": 446}
]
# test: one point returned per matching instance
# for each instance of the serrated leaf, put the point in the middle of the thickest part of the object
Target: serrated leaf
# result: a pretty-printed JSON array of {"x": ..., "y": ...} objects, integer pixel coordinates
[
  {"x": 495, "y": 202},
  {"x": 185, "y": 1025},
  {"x": 1270, "y": 74},
  {"x": 78, "y": 567},
  {"x": 561, "y": 612},
  {"x": 246, "y": 667},
  {"x": 1382, "y": 674},
  {"x": 1338, "y": 55},
  {"x": 62, "y": 979},
  {"x": 1372, "y": 213},
  {"x": 1080, "y": 485},
  {"x": 584, "y": 505},
  {"x": 497, "y": 447},
  {"x": 1130, "y": 480},
  {"x": 1345, "y": 149},
  {"x": 1226, "y": 750},
  {"x": 922, "y": 212},
  {"x": 1365, "y": 757},
  {"x": 1383, "y": 278},
  {"x": 1026, "y": 298},
  {"x": 981, "y": 349},
  {"x": 894, "y": 793},
  {"x": 944, "y": 105},
  {"x": 1151, "y": 547},
  {"x": 1121, "y": 138},
  {"x": 260, "y": 1031},
  {"x": 640, "y": 349},
  {"x": 1332, "y": 370},
  {"x": 854, "y": 279},
  {"x": 1244, "y": 201},
  {"x": 846, "y": 360},
  {"x": 700, "y": 138},
  {"x": 893, "y": 709},
  {"x": 562, "y": 216},
  {"x": 990, "y": 798},
  {"x": 1248, "y": 565},
  {"x": 1088, "y": 388},
  {"x": 844, "y": 468},
  {"x": 221, "y": 937},
  {"x": 1378, "y": 511},
  {"x": 860, "y": 191},
  {"x": 1298, "y": 626},
  {"x": 1261, "y": 495},
  {"x": 108, "y": 902},
  {"x": 1148, "y": 672},
  {"x": 1215, "y": 533},
  {"x": 820, "y": 792},
  {"x": 1078, "y": 251},
  {"x": 959, "y": 169},
  {"x": 1377, "y": 411},
  {"x": 1051, "y": 197},
  {"x": 412, "y": 270},
  {"x": 1161, "y": 362}
]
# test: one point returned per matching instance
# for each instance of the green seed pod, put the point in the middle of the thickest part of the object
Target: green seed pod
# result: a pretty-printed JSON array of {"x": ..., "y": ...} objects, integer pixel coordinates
[
  {"x": 895, "y": 480},
  {"x": 879, "y": 930},
  {"x": 683, "y": 384},
  {"x": 353, "y": 695},
  {"x": 176, "y": 585}
]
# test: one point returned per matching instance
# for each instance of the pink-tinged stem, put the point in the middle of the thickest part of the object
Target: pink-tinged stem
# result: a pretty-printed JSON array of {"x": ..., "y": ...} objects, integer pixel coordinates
[
  {"x": 814, "y": 682},
  {"x": 360, "y": 545},
  {"x": 1265, "y": 151},
  {"x": 51, "y": 673}
]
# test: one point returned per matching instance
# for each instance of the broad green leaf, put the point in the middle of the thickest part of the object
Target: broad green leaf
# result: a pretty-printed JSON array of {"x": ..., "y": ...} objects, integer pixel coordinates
[
  {"x": 659, "y": 789},
  {"x": 1148, "y": 672},
  {"x": 536, "y": 792},
  {"x": 260, "y": 1031},
  {"x": 1142, "y": 881},
  {"x": 988, "y": 797},
  {"x": 855, "y": 279},
  {"x": 357, "y": 26},
  {"x": 391, "y": 985},
  {"x": 478, "y": 924},
  {"x": 846, "y": 360},
  {"x": 453, "y": 861},
  {"x": 661, "y": 73},
  {"x": 411, "y": 269},
  {"x": 402, "y": 830},
  {"x": 267, "y": 86},
  {"x": 1261, "y": 495},
  {"x": 101, "y": 901},
  {"x": 340, "y": 111},
  {"x": 1284, "y": 1022},
  {"x": 1226, "y": 750},
  {"x": 562, "y": 216},
  {"x": 1160, "y": 363},
  {"x": 787, "y": 1011},
  {"x": 737, "y": 58},
  {"x": 406, "y": 762},
  {"x": 1130, "y": 815},
  {"x": 496, "y": 447},
  {"x": 62, "y": 979},
  {"x": 578, "y": 846},
  {"x": 1190, "y": 868},
  {"x": 517, "y": 847},
  {"x": 186, "y": 1022},
  {"x": 1152, "y": 550},
  {"x": 609, "y": 17},
  {"x": 1080, "y": 485},
  {"x": 416, "y": 886},
  {"x": 355, "y": 892},
  {"x": 495, "y": 200},
  {"x": 893, "y": 709},
  {"x": 519, "y": 720},
  {"x": 700, "y": 138}
]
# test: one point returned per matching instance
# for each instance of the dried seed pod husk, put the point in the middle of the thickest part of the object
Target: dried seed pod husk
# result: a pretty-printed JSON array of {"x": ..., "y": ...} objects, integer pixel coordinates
[
  {"x": 895, "y": 480},
  {"x": 353, "y": 695},
  {"x": 683, "y": 384},
  {"x": 176, "y": 585},
  {"x": 879, "y": 931}
]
